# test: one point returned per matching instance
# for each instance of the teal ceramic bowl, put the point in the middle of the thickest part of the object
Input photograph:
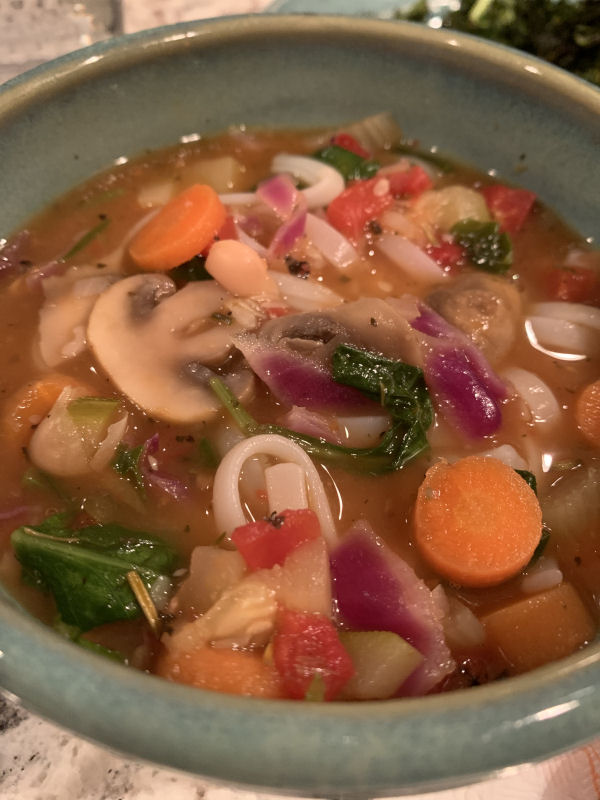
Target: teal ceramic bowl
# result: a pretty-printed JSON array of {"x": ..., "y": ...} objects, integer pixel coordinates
[{"x": 484, "y": 104}]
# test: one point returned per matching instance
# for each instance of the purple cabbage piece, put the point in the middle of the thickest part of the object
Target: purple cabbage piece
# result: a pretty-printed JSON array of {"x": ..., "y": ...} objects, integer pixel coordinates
[
  {"x": 160, "y": 480},
  {"x": 297, "y": 381},
  {"x": 466, "y": 386},
  {"x": 374, "y": 589}
]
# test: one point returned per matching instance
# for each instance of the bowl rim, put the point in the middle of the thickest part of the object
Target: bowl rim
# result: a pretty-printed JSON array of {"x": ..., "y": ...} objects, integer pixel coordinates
[{"x": 534, "y": 715}]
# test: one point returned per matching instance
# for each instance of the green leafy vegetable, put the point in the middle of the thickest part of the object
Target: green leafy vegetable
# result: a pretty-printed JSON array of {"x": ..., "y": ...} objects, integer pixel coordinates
[
  {"x": 73, "y": 634},
  {"x": 352, "y": 166},
  {"x": 126, "y": 462},
  {"x": 399, "y": 388},
  {"x": 564, "y": 32},
  {"x": 529, "y": 479},
  {"x": 205, "y": 455},
  {"x": 544, "y": 539},
  {"x": 87, "y": 238},
  {"x": 487, "y": 248},
  {"x": 192, "y": 270},
  {"x": 86, "y": 569}
]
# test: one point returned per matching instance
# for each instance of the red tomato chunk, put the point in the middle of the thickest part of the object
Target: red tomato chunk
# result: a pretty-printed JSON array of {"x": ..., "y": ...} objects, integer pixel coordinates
[
  {"x": 361, "y": 202},
  {"x": 509, "y": 207},
  {"x": 267, "y": 542},
  {"x": 305, "y": 647}
]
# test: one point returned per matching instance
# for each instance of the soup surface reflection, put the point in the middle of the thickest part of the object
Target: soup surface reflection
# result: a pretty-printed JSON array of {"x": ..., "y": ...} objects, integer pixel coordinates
[{"x": 310, "y": 415}]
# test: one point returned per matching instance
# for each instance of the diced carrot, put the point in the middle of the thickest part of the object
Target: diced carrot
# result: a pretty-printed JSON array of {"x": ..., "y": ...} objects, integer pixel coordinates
[
  {"x": 221, "y": 670},
  {"x": 540, "y": 629},
  {"x": 30, "y": 404},
  {"x": 587, "y": 413},
  {"x": 183, "y": 228},
  {"x": 477, "y": 522}
]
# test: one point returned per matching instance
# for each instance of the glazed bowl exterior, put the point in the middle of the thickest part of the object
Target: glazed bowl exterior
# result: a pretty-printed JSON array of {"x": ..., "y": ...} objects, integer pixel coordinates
[{"x": 483, "y": 104}]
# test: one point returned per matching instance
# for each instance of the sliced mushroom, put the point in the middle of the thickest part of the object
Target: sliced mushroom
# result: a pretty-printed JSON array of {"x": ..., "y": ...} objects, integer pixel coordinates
[
  {"x": 64, "y": 315},
  {"x": 158, "y": 344},
  {"x": 484, "y": 307}
]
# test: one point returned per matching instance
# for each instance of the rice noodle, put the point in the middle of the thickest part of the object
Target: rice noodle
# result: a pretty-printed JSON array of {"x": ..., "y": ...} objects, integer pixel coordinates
[
  {"x": 238, "y": 199},
  {"x": 577, "y": 313},
  {"x": 324, "y": 181},
  {"x": 537, "y": 395},
  {"x": 556, "y": 332},
  {"x": 227, "y": 506},
  {"x": 405, "y": 254},
  {"x": 330, "y": 242}
]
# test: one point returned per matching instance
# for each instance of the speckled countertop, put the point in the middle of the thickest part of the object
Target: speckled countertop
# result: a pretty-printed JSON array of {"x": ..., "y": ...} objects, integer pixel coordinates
[{"x": 39, "y": 761}]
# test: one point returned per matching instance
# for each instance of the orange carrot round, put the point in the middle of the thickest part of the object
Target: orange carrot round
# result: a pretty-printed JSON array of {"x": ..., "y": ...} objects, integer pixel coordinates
[
  {"x": 587, "y": 413},
  {"x": 184, "y": 227},
  {"x": 477, "y": 522},
  {"x": 29, "y": 404}
]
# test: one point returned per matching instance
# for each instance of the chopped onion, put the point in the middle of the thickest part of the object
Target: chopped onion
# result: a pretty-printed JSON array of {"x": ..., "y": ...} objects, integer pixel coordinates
[
  {"x": 108, "y": 445},
  {"x": 379, "y": 131},
  {"x": 227, "y": 507},
  {"x": 330, "y": 242},
  {"x": 508, "y": 455},
  {"x": 287, "y": 234},
  {"x": 280, "y": 194},
  {"x": 572, "y": 504},
  {"x": 149, "y": 469},
  {"x": 543, "y": 575},
  {"x": 238, "y": 199},
  {"x": 399, "y": 223},
  {"x": 325, "y": 182},
  {"x": 415, "y": 263},
  {"x": 302, "y": 420},
  {"x": 461, "y": 626},
  {"x": 245, "y": 238},
  {"x": 577, "y": 313},
  {"x": 363, "y": 431},
  {"x": 286, "y": 487},
  {"x": 305, "y": 294},
  {"x": 537, "y": 395}
]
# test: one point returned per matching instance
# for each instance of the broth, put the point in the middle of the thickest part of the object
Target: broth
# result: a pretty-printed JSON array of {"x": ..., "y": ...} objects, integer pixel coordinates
[{"x": 145, "y": 467}]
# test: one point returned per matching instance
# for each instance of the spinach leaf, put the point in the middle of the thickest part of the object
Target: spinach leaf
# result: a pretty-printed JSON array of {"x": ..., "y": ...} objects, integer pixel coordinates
[
  {"x": 126, "y": 462},
  {"x": 400, "y": 388},
  {"x": 86, "y": 569},
  {"x": 192, "y": 270},
  {"x": 352, "y": 166},
  {"x": 529, "y": 478},
  {"x": 487, "y": 247}
]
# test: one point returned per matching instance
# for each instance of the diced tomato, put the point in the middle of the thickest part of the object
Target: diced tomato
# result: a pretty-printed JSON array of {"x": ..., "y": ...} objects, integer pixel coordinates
[
  {"x": 361, "y": 202},
  {"x": 349, "y": 143},
  {"x": 509, "y": 207},
  {"x": 447, "y": 254},
  {"x": 226, "y": 231},
  {"x": 575, "y": 285},
  {"x": 411, "y": 181},
  {"x": 305, "y": 647},
  {"x": 277, "y": 311},
  {"x": 267, "y": 542}
]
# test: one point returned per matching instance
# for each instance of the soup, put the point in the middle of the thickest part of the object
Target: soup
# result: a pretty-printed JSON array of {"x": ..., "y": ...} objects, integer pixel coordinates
[{"x": 307, "y": 415}]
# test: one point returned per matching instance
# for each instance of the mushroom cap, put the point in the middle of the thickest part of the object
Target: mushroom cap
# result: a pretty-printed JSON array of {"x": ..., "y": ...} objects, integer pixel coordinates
[{"x": 157, "y": 344}]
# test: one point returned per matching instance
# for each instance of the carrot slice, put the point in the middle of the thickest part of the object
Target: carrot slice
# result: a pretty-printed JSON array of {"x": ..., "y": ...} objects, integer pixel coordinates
[
  {"x": 477, "y": 522},
  {"x": 587, "y": 413},
  {"x": 221, "y": 670},
  {"x": 27, "y": 407},
  {"x": 184, "y": 227}
]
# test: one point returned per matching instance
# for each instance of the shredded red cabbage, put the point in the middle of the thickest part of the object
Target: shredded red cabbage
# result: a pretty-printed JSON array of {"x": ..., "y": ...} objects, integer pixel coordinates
[{"x": 155, "y": 477}]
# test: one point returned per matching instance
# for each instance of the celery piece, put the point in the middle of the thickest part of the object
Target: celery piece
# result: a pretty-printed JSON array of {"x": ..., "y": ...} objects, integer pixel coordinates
[{"x": 382, "y": 662}]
